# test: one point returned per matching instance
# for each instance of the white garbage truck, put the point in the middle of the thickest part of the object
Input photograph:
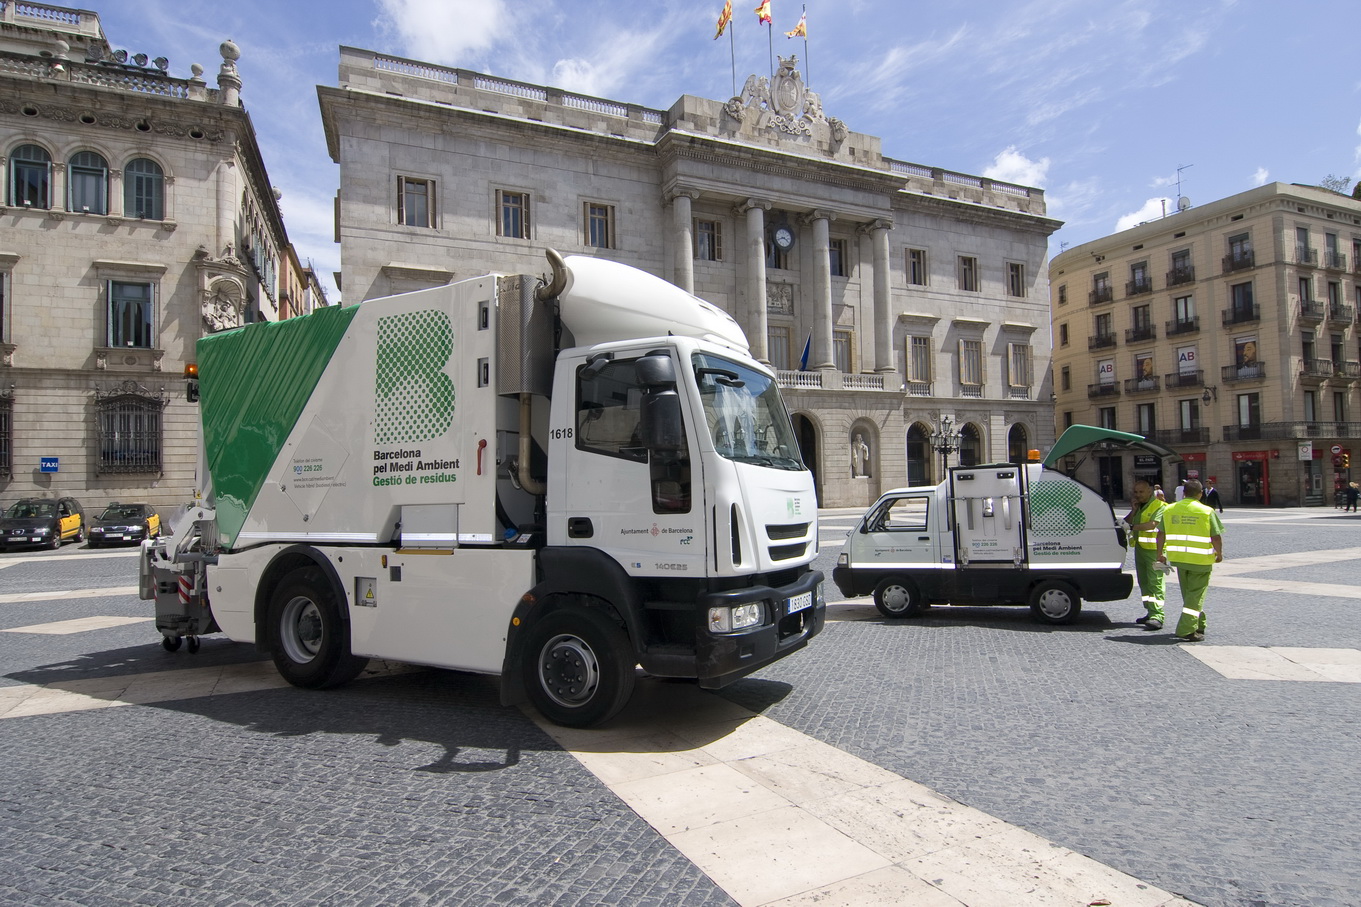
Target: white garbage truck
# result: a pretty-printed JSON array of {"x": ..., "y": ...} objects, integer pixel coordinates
[
  {"x": 996, "y": 534},
  {"x": 556, "y": 480}
]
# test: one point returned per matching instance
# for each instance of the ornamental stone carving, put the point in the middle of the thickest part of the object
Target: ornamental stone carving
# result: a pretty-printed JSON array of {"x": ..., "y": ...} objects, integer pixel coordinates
[{"x": 784, "y": 104}]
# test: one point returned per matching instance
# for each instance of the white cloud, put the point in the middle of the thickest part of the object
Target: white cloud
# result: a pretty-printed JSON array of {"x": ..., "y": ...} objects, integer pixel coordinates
[
  {"x": 1260, "y": 176},
  {"x": 443, "y": 31},
  {"x": 1010, "y": 166},
  {"x": 1153, "y": 209}
]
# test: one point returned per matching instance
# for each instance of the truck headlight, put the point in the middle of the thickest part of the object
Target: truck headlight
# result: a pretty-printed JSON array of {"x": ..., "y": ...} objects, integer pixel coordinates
[{"x": 739, "y": 617}]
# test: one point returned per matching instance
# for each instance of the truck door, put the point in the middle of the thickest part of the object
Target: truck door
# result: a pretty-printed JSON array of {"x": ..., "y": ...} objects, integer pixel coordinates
[
  {"x": 898, "y": 533},
  {"x": 989, "y": 525},
  {"x": 615, "y": 491}
]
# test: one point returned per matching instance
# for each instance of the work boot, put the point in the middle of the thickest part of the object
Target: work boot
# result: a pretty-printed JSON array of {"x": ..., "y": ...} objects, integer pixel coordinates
[{"x": 1152, "y": 623}]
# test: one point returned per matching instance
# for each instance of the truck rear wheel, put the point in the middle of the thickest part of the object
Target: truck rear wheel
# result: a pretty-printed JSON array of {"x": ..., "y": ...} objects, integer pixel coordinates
[
  {"x": 897, "y": 597},
  {"x": 578, "y": 667},
  {"x": 1055, "y": 602},
  {"x": 311, "y": 641}
]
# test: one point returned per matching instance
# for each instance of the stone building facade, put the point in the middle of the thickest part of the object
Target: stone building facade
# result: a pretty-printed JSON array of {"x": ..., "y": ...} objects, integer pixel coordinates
[
  {"x": 1226, "y": 331},
  {"x": 888, "y": 295},
  {"x": 136, "y": 215}
]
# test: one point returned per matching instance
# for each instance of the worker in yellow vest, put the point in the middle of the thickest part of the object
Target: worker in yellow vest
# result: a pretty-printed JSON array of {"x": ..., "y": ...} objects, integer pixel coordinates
[
  {"x": 1143, "y": 522},
  {"x": 1190, "y": 537}
]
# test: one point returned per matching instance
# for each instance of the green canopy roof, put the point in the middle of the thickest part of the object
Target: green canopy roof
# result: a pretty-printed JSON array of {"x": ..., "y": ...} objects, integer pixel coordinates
[{"x": 1080, "y": 437}]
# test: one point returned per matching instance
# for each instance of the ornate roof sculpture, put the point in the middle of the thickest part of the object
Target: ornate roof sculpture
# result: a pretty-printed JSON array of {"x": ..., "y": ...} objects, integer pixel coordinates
[{"x": 785, "y": 104}]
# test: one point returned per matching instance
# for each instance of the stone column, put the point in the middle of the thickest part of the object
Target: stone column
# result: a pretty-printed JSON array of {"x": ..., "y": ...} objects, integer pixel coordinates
[
  {"x": 883, "y": 318},
  {"x": 755, "y": 210},
  {"x": 821, "y": 290},
  {"x": 115, "y": 205},
  {"x": 226, "y": 207},
  {"x": 684, "y": 239}
]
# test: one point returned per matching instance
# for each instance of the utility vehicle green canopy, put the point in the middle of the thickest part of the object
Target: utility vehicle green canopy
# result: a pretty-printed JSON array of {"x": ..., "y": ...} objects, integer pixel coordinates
[{"x": 1082, "y": 437}]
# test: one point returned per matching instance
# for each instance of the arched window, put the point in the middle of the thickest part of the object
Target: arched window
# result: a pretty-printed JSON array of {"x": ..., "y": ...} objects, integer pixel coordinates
[
  {"x": 30, "y": 177},
  {"x": 918, "y": 455},
  {"x": 88, "y": 183},
  {"x": 144, "y": 189},
  {"x": 970, "y": 446},
  {"x": 1018, "y": 444}
]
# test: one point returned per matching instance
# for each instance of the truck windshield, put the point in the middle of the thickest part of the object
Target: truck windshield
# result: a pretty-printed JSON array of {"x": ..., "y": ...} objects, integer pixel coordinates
[{"x": 744, "y": 412}]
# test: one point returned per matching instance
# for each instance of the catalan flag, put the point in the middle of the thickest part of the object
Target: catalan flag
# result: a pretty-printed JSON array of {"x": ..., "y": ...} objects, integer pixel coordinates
[
  {"x": 800, "y": 30},
  {"x": 723, "y": 19},
  {"x": 763, "y": 12}
]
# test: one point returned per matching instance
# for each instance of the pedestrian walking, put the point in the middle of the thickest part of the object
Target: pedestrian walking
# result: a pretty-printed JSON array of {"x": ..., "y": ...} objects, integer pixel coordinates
[
  {"x": 1180, "y": 491},
  {"x": 1211, "y": 498},
  {"x": 1190, "y": 538},
  {"x": 1158, "y": 493},
  {"x": 1353, "y": 493},
  {"x": 1143, "y": 522}
]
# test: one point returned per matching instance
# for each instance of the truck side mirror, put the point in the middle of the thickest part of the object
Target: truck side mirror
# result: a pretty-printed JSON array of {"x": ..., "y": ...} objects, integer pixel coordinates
[
  {"x": 660, "y": 420},
  {"x": 655, "y": 370}
]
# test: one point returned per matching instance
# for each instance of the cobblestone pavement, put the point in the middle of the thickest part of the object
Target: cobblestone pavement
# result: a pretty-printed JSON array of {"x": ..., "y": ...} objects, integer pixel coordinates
[
  {"x": 1114, "y": 741},
  {"x": 419, "y": 789}
]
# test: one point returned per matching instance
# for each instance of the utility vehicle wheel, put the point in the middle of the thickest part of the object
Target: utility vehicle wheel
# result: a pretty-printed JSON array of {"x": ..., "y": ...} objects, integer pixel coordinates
[
  {"x": 171, "y": 644},
  {"x": 1055, "y": 602},
  {"x": 578, "y": 667},
  {"x": 193, "y": 645},
  {"x": 897, "y": 597},
  {"x": 311, "y": 641}
]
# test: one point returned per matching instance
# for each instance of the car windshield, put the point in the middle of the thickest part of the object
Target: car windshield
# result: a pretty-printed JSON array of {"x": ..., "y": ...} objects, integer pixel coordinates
[
  {"x": 746, "y": 417},
  {"x": 122, "y": 512},
  {"x": 32, "y": 510}
]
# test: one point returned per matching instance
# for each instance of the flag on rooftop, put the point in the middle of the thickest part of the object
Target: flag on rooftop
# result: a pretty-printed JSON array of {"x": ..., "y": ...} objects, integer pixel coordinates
[
  {"x": 763, "y": 12},
  {"x": 800, "y": 30},
  {"x": 723, "y": 19}
]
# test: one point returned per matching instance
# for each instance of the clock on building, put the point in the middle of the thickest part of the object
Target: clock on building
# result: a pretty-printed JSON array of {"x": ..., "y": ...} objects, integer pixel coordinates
[{"x": 784, "y": 238}]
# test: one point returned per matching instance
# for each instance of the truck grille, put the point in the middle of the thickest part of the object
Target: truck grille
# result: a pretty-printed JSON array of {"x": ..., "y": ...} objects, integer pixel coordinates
[
  {"x": 779, "y": 532},
  {"x": 786, "y": 552}
]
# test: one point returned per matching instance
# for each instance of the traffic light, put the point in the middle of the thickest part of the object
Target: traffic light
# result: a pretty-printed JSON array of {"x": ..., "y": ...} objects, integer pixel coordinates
[
  {"x": 1346, "y": 461},
  {"x": 191, "y": 382}
]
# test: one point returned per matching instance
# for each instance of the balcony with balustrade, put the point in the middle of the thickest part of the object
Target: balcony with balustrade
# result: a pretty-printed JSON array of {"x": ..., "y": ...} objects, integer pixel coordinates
[
  {"x": 1179, "y": 276},
  {"x": 1314, "y": 371},
  {"x": 1312, "y": 311},
  {"x": 1138, "y": 287},
  {"x": 1242, "y": 314},
  {"x": 1149, "y": 385},
  {"x": 1103, "y": 389},
  {"x": 1341, "y": 313},
  {"x": 1141, "y": 332},
  {"x": 1101, "y": 341},
  {"x": 1177, "y": 380},
  {"x": 1181, "y": 437},
  {"x": 1183, "y": 326},
  {"x": 1307, "y": 256},
  {"x": 1100, "y": 296},
  {"x": 1238, "y": 374},
  {"x": 1335, "y": 261},
  {"x": 1239, "y": 261},
  {"x": 1348, "y": 370}
]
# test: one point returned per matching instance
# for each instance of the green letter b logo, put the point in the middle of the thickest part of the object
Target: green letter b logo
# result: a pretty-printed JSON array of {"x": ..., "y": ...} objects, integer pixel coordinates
[{"x": 413, "y": 397}]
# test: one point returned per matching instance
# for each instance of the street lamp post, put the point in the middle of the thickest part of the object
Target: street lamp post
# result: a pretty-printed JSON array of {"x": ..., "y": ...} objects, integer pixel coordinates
[{"x": 946, "y": 441}]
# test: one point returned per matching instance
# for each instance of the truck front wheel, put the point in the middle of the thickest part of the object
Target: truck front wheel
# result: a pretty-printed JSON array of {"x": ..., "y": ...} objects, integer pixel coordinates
[
  {"x": 898, "y": 597},
  {"x": 311, "y": 641},
  {"x": 1055, "y": 602},
  {"x": 579, "y": 667}
]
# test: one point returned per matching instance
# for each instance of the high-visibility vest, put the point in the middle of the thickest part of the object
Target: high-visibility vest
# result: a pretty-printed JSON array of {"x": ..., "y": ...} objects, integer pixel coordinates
[
  {"x": 1186, "y": 530},
  {"x": 1148, "y": 538}
]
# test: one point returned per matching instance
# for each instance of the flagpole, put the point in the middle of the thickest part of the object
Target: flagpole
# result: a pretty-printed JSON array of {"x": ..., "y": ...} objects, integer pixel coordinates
[
  {"x": 732, "y": 52},
  {"x": 770, "y": 53},
  {"x": 807, "y": 64}
]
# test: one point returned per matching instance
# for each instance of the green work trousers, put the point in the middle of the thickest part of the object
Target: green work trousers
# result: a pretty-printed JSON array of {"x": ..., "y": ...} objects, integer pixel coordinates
[
  {"x": 1152, "y": 584},
  {"x": 1195, "y": 582}
]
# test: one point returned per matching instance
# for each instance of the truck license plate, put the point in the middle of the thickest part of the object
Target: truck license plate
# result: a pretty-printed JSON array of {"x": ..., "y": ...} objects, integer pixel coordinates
[{"x": 799, "y": 602}]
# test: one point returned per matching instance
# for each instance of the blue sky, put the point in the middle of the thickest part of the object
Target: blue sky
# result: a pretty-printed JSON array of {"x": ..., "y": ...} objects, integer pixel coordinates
[{"x": 1098, "y": 102}]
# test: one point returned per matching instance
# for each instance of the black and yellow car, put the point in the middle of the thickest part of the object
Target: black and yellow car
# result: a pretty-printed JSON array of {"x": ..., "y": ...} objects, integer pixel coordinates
[
  {"x": 42, "y": 521},
  {"x": 124, "y": 523}
]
